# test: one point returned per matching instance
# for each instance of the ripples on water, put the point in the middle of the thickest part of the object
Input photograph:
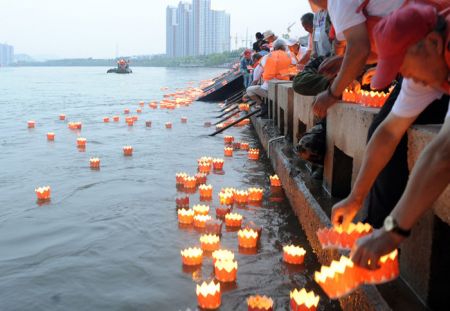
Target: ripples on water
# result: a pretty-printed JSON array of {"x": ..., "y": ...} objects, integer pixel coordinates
[{"x": 109, "y": 239}]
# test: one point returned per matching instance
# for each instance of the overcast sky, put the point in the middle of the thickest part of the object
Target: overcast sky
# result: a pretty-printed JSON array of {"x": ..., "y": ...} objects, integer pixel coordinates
[{"x": 93, "y": 28}]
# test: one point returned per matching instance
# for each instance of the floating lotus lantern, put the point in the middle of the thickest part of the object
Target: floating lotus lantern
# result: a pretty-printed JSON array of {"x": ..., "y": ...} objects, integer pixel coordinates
[
  {"x": 74, "y": 125},
  {"x": 153, "y": 105},
  {"x": 200, "y": 220},
  {"x": 205, "y": 159},
  {"x": 213, "y": 226},
  {"x": 253, "y": 154},
  {"x": 337, "y": 237},
  {"x": 141, "y": 103},
  {"x": 62, "y": 117},
  {"x": 226, "y": 270},
  {"x": 190, "y": 182},
  {"x": 209, "y": 295},
  {"x": 233, "y": 220},
  {"x": 183, "y": 119},
  {"x": 105, "y": 119},
  {"x": 247, "y": 238},
  {"x": 129, "y": 121},
  {"x": 180, "y": 178},
  {"x": 243, "y": 122},
  {"x": 192, "y": 256},
  {"x": 81, "y": 142},
  {"x": 255, "y": 194},
  {"x": 244, "y": 146},
  {"x": 185, "y": 216},
  {"x": 116, "y": 118},
  {"x": 128, "y": 151},
  {"x": 148, "y": 123},
  {"x": 303, "y": 300},
  {"x": 200, "y": 178},
  {"x": 168, "y": 125},
  {"x": 244, "y": 107},
  {"x": 218, "y": 164},
  {"x": 139, "y": 110},
  {"x": 293, "y": 255},
  {"x": 240, "y": 197},
  {"x": 236, "y": 145},
  {"x": 228, "y": 139},
  {"x": 204, "y": 167},
  {"x": 43, "y": 193},
  {"x": 387, "y": 271},
  {"x": 126, "y": 111},
  {"x": 228, "y": 151},
  {"x": 182, "y": 202},
  {"x": 210, "y": 242},
  {"x": 226, "y": 198},
  {"x": 223, "y": 255},
  {"x": 94, "y": 163},
  {"x": 205, "y": 191},
  {"x": 259, "y": 303},
  {"x": 31, "y": 124},
  {"x": 275, "y": 181},
  {"x": 200, "y": 209},
  {"x": 222, "y": 211},
  {"x": 50, "y": 136}
]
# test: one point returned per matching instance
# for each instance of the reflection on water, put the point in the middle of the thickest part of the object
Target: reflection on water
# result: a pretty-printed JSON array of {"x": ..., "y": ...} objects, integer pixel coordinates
[{"x": 109, "y": 239}]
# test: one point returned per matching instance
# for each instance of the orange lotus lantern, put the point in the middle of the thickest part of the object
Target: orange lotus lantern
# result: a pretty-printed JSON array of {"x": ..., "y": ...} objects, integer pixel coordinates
[
  {"x": 228, "y": 151},
  {"x": 233, "y": 220},
  {"x": 31, "y": 124},
  {"x": 222, "y": 211},
  {"x": 247, "y": 238},
  {"x": 210, "y": 242},
  {"x": 209, "y": 295},
  {"x": 200, "y": 220},
  {"x": 50, "y": 136},
  {"x": 226, "y": 198},
  {"x": 339, "y": 238},
  {"x": 222, "y": 254},
  {"x": 183, "y": 119},
  {"x": 127, "y": 151},
  {"x": 168, "y": 125},
  {"x": 303, "y": 300},
  {"x": 200, "y": 178},
  {"x": 213, "y": 226},
  {"x": 206, "y": 191},
  {"x": 139, "y": 110},
  {"x": 244, "y": 146},
  {"x": 218, "y": 164},
  {"x": 253, "y": 154},
  {"x": 275, "y": 181},
  {"x": 105, "y": 119},
  {"x": 43, "y": 193},
  {"x": 62, "y": 117},
  {"x": 74, "y": 125},
  {"x": 293, "y": 255},
  {"x": 228, "y": 139},
  {"x": 185, "y": 216},
  {"x": 226, "y": 270},
  {"x": 236, "y": 145},
  {"x": 387, "y": 271},
  {"x": 244, "y": 107},
  {"x": 259, "y": 303},
  {"x": 255, "y": 194},
  {"x": 192, "y": 256},
  {"x": 200, "y": 209},
  {"x": 204, "y": 167},
  {"x": 180, "y": 177},
  {"x": 205, "y": 159},
  {"x": 130, "y": 121},
  {"x": 182, "y": 202},
  {"x": 190, "y": 182},
  {"x": 240, "y": 197},
  {"x": 81, "y": 142},
  {"x": 94, "y": 163},
  {"x": 126, "y": 111},
  {"x": 141, "y": 103},
  {"x": 116, "y": 118},
  {"x": 134, "y": 118}
]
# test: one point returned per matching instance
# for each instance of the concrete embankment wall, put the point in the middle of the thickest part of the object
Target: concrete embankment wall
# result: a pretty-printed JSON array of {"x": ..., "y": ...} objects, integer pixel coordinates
[{"x": 424, "y": 256}]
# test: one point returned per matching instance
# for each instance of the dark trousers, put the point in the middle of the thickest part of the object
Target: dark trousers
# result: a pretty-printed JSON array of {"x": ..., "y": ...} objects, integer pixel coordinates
[{"x": 391, "y": 182}]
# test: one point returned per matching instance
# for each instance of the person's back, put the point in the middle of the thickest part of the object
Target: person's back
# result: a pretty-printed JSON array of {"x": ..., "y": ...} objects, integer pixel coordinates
[{"x": 277, "y": 65}]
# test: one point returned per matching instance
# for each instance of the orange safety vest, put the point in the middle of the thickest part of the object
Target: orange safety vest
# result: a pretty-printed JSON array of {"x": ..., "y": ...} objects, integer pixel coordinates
[{"x": 277, "y": 66}]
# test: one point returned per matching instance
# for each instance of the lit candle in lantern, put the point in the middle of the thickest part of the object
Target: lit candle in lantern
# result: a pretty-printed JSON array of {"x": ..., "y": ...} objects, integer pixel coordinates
[
  {"x": 168, "y": 125},
  {"x": 94, "y": 163},
  {"x": 43, "y": 193},
  {"x": 206, "y": 191},
  {"x": 247, "y": 238},
  {"x": 244, "y": 146},
  {"x": 183, "y": 119},
  {"x": 126, "y": 111},
  {"x": 226, "y": 270},
  {"x": 200, "y": 178},
  {"x": 204, "y": 167},
  {"x": 129, "y": 121},
  {"x": 294, "y": 255},
  {"x": 127, "y": 151},
  {"x": 116, "y": 118},
  {"x": 218, "y": 164},
  {"x": 200, "y": 220},
  {"x": 213, "y": 226},
  {"x": 240, "y": 197},
  {"x": 228, "y": 151},
  {"x": 275, "y": 181},
  {"x": 387, "y": 271},
  {"x": 233, "y": 220},
  {"x": 190, "y": 182},
  {"x": 337, "y": 237},
  {"x": 62, "y": 117},
  {"x": 105, "y": 119},
  {"x": 201, "y": 209},
  {"x": 222, "y": 211},
  {"x": 81, "y": 142},
  {"x": 192, "y": 256},
  {"x": 259, "y": 303},
  {"x": 255, "y": 194},
  {"x": 226, "y": 198},
  {"x": 31, "y": 124},
  {"x": 210, "y": 242},
  {"x": 222, "y": 254},
  {"x": 50, "y": 136},
  {"x": 228, "y": 139},
  {"x": 180, "y": 178},
  {"x": 205, "y": 159},
  {"x": 253, "y": 154},
  {"x": 185, "y": 217},
  {"x": 303, "y": 300},
  {"x": 209, "y": 295}
]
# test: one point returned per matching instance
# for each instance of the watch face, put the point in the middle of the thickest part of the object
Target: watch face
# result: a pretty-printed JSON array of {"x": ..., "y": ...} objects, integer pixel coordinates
[{"x": 389, "y": 223}]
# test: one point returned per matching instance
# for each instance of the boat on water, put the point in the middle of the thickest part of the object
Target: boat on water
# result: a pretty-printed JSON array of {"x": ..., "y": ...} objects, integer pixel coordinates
[{"x": 123, "y": 66}]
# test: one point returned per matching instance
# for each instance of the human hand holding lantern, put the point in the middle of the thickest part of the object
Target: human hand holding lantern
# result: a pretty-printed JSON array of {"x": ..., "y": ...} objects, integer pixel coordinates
[
  {"x": 303, "y": 300},
  {"x": 338, "y": 237}
]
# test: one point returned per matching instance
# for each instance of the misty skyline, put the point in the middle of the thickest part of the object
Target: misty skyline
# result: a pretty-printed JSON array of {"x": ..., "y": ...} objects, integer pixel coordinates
[{"x": 70, "y": 29}]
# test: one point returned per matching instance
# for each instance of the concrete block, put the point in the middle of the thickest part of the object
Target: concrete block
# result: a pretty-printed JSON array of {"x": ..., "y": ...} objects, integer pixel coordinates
[
  {"x": 273, "y": 98},
  {"x": 303, "y": 115},
  {"x": 286, "y": 110}
]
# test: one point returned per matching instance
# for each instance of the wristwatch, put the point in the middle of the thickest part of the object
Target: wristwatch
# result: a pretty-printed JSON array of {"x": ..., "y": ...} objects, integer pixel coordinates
[{"x": 391, "y": 225}]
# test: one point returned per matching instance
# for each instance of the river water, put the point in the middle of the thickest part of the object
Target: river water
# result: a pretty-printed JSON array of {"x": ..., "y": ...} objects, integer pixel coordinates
[{"x": 109, "y": 239}]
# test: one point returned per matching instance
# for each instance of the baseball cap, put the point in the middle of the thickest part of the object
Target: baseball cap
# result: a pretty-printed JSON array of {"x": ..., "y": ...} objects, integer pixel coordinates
[
  {"x": 268, "y": 33},
  {"x": 394, "y": 34}
]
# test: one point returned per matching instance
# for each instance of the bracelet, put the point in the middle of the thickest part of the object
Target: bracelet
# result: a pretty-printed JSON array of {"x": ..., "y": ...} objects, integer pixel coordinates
[{"x": 330, "y": 93}]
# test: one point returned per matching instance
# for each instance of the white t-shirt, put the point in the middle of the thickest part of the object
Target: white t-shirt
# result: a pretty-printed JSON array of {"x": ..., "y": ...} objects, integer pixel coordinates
[
  {"x": 343, "y": 13},
  {"x": 414, "y": 98}
]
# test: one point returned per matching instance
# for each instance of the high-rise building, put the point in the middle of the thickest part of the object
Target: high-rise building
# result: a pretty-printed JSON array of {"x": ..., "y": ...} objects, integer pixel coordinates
[
  {"x": 6, "y": 54},
  {"x": 196, "y": 29}
]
